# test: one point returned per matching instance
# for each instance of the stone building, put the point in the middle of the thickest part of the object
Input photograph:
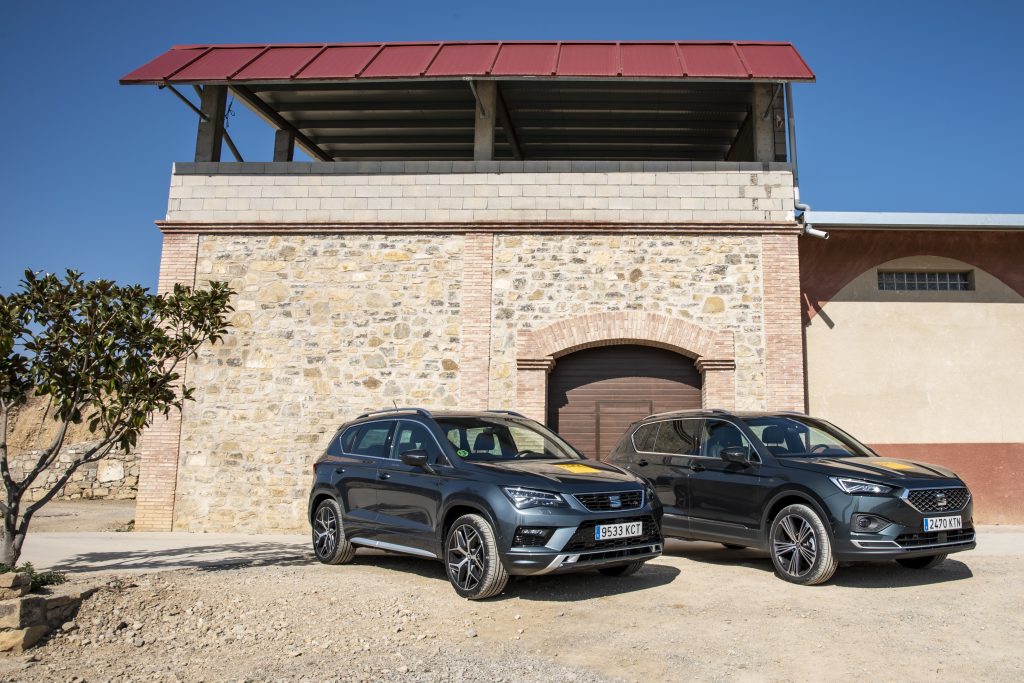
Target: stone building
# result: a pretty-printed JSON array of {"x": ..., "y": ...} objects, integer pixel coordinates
[{"x": 583, "y": 232}]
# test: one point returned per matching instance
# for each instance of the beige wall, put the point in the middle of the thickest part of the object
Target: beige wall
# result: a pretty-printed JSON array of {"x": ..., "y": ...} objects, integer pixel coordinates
[{"x": 920, "y": 367}]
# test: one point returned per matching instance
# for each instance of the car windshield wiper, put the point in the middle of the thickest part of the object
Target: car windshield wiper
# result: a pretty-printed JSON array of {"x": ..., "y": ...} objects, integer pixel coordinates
[{"x": 533, "y": 455}]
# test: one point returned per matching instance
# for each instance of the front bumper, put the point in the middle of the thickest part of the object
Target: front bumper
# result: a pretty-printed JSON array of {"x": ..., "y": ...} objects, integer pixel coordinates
[
  {"x": 572, "y": 545},
  {"x": 904, "y": 537}
]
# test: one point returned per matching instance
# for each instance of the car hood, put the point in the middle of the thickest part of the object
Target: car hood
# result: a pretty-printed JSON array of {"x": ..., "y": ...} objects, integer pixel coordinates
[
  {"x": 892, "y": 470},
  {"x": 572, "y": 475}
]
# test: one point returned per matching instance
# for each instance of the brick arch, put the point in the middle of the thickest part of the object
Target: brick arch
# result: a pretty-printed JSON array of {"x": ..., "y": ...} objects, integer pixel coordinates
[{"x": 538, "y": 350}]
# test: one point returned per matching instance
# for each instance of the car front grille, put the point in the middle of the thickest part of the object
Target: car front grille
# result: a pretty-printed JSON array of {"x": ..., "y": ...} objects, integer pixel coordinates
[
  {"x": 939, "y": 500},
  {"x": 583, "y": 540},
  {"x": 611, "y": 502},
  {"x": 937, "y": 538}
]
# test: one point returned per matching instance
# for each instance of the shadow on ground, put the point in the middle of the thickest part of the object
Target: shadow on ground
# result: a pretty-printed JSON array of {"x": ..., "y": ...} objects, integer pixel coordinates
[
  {"x": 584, "y": 585},
  {"x": 210, "y": 557},
  {"x": 859, "y": 575}
]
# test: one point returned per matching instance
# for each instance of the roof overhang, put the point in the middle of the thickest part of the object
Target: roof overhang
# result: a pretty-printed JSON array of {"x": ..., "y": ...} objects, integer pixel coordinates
[
  {"x": 870, "y": 220},
  {"x": 555, "y": 100}
]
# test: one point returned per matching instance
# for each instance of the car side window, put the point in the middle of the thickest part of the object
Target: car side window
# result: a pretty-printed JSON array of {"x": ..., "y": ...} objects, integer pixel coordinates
[
  {"x": 679, "y": 437},
  {"x": 372, "y": 440},
  {"x": 413, "y": 436},
  {"x": 719, "y": 435},
  {"x": 644, "y": 437}
]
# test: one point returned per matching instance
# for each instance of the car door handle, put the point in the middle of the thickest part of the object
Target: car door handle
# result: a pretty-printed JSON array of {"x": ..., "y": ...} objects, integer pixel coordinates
[
  {"x": 697, "y": 468},
  {"x": 339, "y": 470},
  {"x": 642, "y": 463},
  {"x": 383, "y": 475}
]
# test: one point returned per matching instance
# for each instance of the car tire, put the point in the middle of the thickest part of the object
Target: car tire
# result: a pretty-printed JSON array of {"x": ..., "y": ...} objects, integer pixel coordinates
[
  {"x": 329, "y": 543},
  {"x": 800, "y": 547},
  {"x": 622, "y": 569},
  {"x": 926, "y": 562},
  {"x": 733, "y": 546},
  {"x": 471, "y": 559}
]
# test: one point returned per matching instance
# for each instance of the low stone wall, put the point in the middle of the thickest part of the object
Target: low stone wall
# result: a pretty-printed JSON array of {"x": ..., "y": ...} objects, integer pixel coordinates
[
  {"x": 116, "y": 476},
  {"x": 26, "y": 619}
]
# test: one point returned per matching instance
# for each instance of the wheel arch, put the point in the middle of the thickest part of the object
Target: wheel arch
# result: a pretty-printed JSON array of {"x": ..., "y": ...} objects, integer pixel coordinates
[{"x": 794, "y": 496}]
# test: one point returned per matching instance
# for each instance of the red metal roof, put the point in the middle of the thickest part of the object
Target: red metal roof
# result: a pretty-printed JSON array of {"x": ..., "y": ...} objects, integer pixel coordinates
[{"x": 331, "y": 62}]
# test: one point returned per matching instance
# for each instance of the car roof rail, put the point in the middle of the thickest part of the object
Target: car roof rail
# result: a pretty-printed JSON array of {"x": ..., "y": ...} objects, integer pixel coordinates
[
  {"x": 508, "y": 412},
  {"x": 412, "y": 409}
]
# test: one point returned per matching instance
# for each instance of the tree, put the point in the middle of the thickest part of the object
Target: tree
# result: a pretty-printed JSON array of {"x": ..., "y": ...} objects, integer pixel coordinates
[{"x": 104, "y": 354}]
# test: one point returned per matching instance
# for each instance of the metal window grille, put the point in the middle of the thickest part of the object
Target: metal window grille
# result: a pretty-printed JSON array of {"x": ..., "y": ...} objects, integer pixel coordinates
[{"x": 918, "y": 281}]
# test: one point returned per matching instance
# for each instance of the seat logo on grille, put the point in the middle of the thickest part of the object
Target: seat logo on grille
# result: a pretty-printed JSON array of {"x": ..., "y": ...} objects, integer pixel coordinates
[
  {"x": 614, "y": 501},
  {"x": 940, "y": 500}
]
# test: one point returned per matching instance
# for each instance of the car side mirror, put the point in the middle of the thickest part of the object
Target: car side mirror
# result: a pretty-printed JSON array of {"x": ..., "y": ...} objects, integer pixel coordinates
[
  {"x": 416, "y": 457},
  {"x": 737, "y": 454}
]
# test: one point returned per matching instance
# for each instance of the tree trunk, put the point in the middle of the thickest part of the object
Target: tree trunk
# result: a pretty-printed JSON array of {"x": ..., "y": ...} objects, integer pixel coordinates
[{"x": 10, "y": 540}]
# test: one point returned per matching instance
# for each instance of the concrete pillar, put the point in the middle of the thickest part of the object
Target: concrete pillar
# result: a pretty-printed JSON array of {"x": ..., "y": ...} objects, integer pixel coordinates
[
  {"x": 764, "y": 129},
  {"x": 211, "y": 125},
  {"x": 486, "y": 114},
  {"x": 284, "y": 145}
]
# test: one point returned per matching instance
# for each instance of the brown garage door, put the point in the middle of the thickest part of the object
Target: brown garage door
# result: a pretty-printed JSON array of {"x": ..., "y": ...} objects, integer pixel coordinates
[{"x": 593, "y": 395}]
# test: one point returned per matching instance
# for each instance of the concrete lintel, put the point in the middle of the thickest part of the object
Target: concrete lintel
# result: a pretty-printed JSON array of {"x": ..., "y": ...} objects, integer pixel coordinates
[{"x": 883, "y": 220}]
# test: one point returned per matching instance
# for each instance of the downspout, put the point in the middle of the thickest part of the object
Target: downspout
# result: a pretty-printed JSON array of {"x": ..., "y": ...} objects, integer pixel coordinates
[{"x": 809, "y": 229}]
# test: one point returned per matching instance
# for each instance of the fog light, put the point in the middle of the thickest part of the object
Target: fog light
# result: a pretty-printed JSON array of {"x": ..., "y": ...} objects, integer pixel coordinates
[
  {"x": 869, "y": 524},
  {"x": 532, "y": 536}
]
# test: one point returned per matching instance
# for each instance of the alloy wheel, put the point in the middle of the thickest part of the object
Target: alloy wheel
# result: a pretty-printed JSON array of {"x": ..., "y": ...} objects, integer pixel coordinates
[
  {"x": 325, "y": 531},
  {"x": 466, "y": 557},
  {"x": 795, "y": 545}
]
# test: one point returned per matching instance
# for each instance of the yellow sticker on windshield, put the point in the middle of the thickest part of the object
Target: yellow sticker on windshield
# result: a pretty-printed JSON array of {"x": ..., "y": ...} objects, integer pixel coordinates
[
  {"x": 895, "y": 465},
  {"x": 578, "y": 469}
]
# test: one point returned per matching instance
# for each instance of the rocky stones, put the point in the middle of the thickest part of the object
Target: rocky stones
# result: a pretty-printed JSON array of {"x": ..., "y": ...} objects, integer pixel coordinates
[{"x": 14, "y": 585}]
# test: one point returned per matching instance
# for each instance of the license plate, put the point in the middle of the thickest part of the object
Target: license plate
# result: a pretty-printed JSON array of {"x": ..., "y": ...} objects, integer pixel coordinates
[
  {"x": 943, "y": 523},
  {"x": 605, "y": 532}
]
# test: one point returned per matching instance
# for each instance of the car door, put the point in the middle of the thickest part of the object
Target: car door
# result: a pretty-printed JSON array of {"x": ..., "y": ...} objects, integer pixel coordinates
[
  {"x": 409, "y": 498},
  {"x": 667, "y": 466},
  {"x": 360, "y": 451},
  {"x": 725, "y": 498}
]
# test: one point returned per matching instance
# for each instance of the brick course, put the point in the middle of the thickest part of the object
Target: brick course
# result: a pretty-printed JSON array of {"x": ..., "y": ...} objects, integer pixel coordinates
[{"x": 783, "y": 326}]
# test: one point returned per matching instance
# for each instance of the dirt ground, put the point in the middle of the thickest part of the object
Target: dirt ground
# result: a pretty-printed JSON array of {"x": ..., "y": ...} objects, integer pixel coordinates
[
  {"x": 84, "y": 515},
  {"x": 698, "y": 613}
]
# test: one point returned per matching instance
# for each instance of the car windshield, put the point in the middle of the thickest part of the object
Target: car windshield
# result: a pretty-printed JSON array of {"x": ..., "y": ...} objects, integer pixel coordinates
[
  {"x": 786, "y": 436},
  {"x": 487, "y": 439}
]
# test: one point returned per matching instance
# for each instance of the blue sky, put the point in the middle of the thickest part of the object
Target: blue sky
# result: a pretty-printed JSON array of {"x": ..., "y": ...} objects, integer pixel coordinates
[{"x": 894, "y": 123}]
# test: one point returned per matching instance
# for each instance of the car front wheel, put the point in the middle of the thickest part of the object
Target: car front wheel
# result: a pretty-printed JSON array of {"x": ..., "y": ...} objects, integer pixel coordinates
[
  {"x": 926, "y": 562},
  {"x": 800, "y": 547},
  {"x": 471, "y": 559},
  {"x": 329, "y": 541}
]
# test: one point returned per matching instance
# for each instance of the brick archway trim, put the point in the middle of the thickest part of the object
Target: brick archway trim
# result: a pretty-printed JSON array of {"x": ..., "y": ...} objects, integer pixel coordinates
[{"x": 537, "y": 351}]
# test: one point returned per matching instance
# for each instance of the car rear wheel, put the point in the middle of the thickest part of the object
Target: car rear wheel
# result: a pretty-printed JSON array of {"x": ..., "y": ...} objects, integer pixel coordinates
[
  {"x": 329, "y": 543},
  {"x": 926, "y": 562},
  {"x": 800, "y": 547},
  {"x": 622, "y": 569},
  {"x": 471, "y": 559}
]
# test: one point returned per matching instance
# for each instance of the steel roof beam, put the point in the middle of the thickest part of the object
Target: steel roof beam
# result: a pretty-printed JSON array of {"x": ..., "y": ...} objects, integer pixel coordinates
[{"x": 266, "y": 113}]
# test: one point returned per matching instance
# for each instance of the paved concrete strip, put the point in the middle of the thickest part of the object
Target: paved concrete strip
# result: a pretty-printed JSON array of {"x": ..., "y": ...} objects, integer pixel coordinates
[{"x": 136, "y": 552}]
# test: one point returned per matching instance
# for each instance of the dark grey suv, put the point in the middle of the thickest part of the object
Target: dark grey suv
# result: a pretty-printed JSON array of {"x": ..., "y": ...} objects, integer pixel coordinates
[
  {"x": 799, "y": 487},
  {"x": 491, "y": 494}
]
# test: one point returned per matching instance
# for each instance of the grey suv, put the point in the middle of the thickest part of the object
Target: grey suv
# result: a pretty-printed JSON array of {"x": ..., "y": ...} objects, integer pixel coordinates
[{"x": 491, "y": 494}]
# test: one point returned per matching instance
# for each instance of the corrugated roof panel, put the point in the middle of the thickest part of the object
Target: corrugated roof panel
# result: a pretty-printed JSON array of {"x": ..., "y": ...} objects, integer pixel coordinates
[
  {"x": 526, "y": 59},
  {"x": 463, "y": 60},
  {"x": 219, "y": 64},
  {"x": 774, "y": 61},
  {"x": 581, "y": 59},
  {"x": 778, "y": 61},
  {"x": 278, "y": 62},
  {"x": 650, "y": 60},
  {"x": 343, "y": 61},
  {"x": 401, "y": 61},
  {"x": 165, "y": 64},
  {"x": 712, "y": 61}
]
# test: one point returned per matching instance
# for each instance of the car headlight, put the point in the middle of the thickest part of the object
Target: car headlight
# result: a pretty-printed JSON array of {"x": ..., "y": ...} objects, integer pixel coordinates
[
  {"x": 531, "y": 498},
  {"x": 860, "y": 487}
]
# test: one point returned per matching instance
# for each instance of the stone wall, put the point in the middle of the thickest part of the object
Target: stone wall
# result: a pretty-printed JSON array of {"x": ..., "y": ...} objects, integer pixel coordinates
[
  {"x": 116, "y": 476},
  {"x": 713, "y": 281},
  {"x": 324, "y": 327}
]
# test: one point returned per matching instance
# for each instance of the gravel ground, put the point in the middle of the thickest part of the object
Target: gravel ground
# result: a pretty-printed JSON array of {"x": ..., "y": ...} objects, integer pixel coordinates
[{"x": 699, "y": 612}]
